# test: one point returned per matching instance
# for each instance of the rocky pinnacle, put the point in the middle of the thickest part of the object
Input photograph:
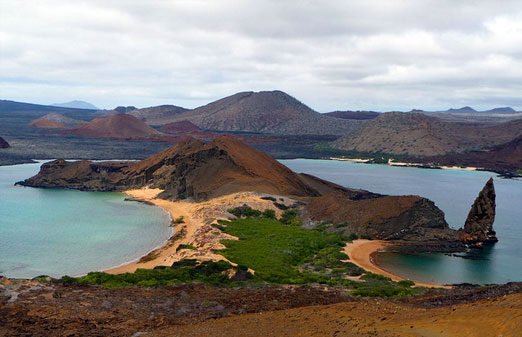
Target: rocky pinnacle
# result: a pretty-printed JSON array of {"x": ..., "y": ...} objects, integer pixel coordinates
[{"x": 479, "y": 223}]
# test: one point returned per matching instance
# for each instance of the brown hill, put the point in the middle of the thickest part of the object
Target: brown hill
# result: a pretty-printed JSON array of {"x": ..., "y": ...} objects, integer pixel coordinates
[
  {"x": 157, "y": 115},
  {"x": 46, "y": 124},
  {"x": 415, "y": 134},
  {"x": 265, "y": 111},
  {"x": 358, "y": 115},
  {"x": 223, "y": 166},
  {"x": 506, "y": 157},
  {"x": 120, "y": 126},
  {"x": 180, "y": 127},
  {"x": 4, "y": 144},
  {"x": 54, "y": 121}
]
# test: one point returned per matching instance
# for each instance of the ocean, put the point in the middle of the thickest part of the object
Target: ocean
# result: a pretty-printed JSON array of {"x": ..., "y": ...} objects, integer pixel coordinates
[
  {"x": 453, "y": 191},
  {"x": 60, "y": 232}
]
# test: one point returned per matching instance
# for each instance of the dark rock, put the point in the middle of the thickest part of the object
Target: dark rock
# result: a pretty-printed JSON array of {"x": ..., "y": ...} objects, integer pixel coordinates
[
  {"x": 478, "y": 228},
  {"x": 4, "y": 144}
]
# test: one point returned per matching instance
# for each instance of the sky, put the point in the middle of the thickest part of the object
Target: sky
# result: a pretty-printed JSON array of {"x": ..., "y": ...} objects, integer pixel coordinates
[{"x": 331, "y": 55}]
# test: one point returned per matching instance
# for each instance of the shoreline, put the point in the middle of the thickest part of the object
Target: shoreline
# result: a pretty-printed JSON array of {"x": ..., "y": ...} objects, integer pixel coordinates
[
  {"x": 192, "y": 222},
  {"x": 362, "y": 253}
]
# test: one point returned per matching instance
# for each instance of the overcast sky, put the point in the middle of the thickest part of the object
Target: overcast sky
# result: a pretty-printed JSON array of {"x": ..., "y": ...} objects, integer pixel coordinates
[{"x": 368, "y": 54}]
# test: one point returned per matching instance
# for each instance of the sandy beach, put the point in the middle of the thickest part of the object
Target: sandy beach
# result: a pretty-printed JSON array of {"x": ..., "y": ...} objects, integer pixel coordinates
[
  {"x": 195, "y": 229},
  {"x": 361, "y": 254}
]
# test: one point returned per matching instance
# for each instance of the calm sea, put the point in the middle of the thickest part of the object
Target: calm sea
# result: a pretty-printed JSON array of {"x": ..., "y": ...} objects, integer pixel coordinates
[
  {"x": 56, "y": 232},
  {"x": 453, "y": 191}
]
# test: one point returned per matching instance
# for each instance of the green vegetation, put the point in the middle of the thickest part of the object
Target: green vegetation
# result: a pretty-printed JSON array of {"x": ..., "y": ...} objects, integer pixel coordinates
[
  {"x": 179, "y": 220},
  {"x": 280, "y": 252},
  {"x": 276, "y": 251},
  {"x": 183, "y": 246},
  {"x": 184, "y": 271}
]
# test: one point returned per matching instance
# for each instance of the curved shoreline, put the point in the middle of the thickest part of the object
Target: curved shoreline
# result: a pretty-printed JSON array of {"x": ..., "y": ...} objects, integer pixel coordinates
[
  {"x": 192, "y": 227},
  {"x": 362, "y": 253}
]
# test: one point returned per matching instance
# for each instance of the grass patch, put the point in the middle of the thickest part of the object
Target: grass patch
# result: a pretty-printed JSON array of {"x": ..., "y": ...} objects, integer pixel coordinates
[
  {"x": 276, "y": 251},
  {"x": 183, "y": 246}
]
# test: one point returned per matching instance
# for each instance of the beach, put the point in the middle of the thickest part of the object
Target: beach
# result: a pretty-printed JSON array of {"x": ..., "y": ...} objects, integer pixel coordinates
[
  {"x": 361, "y": 253},
  {"x": 194, "y": 236}
]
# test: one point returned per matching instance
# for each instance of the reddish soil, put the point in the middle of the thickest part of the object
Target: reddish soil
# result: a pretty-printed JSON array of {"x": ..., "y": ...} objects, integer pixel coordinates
[
  {"x": 32, "y": 309},
  {"x": 47, "y": 124}
]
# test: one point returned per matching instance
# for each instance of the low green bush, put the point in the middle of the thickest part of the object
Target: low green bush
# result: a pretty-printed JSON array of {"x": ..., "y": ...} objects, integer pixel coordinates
[{"x": 269, "y": 198}]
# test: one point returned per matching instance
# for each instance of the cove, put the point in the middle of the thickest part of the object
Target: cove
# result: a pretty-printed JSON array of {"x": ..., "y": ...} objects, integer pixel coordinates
[{"x": 59, "y": 232}]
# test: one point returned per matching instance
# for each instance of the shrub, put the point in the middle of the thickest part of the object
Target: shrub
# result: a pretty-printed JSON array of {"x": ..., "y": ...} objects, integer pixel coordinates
[
  {"x": 269, "y": 214},
  {"x": 183, "y": 246},
  {"x": 406, "y": 283},
  {"x": 269, "y": 198},
  {"x": 352, "y": 237},
  {"x": 179, "y": 220},
  {"x": 282, "y": 207}
]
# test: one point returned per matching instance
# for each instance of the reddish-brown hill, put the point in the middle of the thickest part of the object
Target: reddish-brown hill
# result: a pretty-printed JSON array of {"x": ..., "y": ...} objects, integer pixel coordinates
[
  {"x": 46, "y": 124},
  {"x": 180, "y": 127},
  {"x": 54, "y": 120},
  {"x": 223, "y": 166},
  {"x": 120, "y": 126},
  {"x": 4, "y": 144}
]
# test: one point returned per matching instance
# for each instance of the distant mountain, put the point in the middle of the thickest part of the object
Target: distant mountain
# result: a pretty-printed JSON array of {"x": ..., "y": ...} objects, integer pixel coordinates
[
  {"x": 416, "y": 134},
  {"x": 12, "y": 106},
  {"x": 357, "y": 115},
  {"x": 54, "y": 121},
  {"x": 465, "y": 109},
  {"x": 120, "y": 126},
  {"x": 158, "y": 115},
  {"x": 504, "y": 110},
  {"x": 4, "y": 144},
  {"x": 266, "y": 111},
  {"x": 76, "y": 105}
]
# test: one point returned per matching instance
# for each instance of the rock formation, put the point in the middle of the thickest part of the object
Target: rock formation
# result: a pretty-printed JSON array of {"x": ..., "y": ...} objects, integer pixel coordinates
[
  {"x": 478, "y": 228},
  {"x": 410, "y": 218},
  {"x": 4, "y": 144}
]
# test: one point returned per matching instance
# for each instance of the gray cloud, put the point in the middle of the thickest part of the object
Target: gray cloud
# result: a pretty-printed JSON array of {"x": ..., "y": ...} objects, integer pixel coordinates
[{"x": 372, "y": 54}]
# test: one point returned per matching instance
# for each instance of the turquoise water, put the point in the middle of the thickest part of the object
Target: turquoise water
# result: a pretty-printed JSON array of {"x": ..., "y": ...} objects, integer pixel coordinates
[
  {"x": 56, "y": 232},
  {"x": 453, "y": 191}
]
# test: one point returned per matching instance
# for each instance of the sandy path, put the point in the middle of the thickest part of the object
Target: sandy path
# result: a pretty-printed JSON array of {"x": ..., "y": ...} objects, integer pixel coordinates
[
  {"x": 196, "y": 229},
  {"x": 360, "y": 253}
]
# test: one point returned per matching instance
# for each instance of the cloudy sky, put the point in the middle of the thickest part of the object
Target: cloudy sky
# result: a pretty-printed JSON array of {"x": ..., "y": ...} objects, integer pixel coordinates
[{"x": 368, "y": 54}]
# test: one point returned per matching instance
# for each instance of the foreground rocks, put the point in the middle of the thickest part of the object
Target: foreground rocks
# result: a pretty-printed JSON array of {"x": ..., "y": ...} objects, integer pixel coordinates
[{"x": 30, "y": 308}]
